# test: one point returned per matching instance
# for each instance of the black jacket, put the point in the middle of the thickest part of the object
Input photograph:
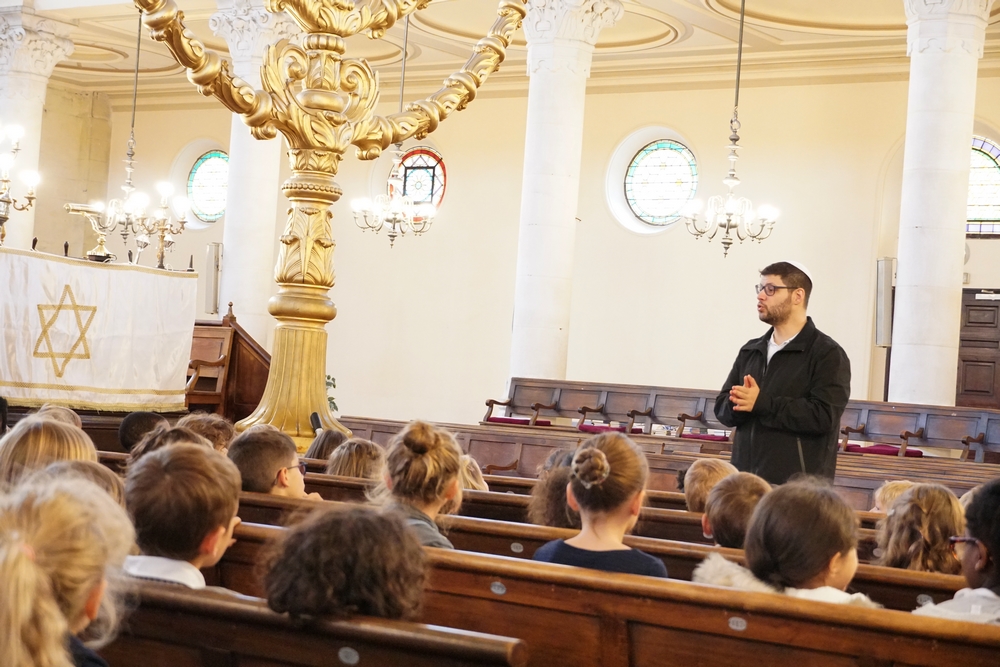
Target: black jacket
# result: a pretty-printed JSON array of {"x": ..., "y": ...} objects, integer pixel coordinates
[{"x": 795, "y": 421}]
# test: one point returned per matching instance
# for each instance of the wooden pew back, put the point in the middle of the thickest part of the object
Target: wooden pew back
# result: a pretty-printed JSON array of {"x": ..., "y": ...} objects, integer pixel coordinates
[
  {"x": 182, "y": 628},
  {"x": 574, "y": 616}
]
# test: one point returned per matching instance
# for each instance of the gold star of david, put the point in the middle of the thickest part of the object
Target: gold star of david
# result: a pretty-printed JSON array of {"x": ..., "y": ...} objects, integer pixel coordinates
[{"x": 48, "y": 314}]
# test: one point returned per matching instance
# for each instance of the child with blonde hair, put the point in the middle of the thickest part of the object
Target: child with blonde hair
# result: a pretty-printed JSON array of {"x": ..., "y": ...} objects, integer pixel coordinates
[
  {"x": 422, "y": 477},
  {"x": 61, "y": 543},
  {"x": 472, "y": 475},
  {"x": 607, "y": 487},
  {"x": 729, "y": 507},
  {"x": 100, "y": 475},
  {"x": 914, "y": 534},
  {"x": 60, "y": 414},
  {"x": 356, "y": 457},
  {"x": 36, "y": 442},
  {"x": 886, "y": 494},
  {"x": 802, "y": 541},
  {"x": 701, "y": 477}
]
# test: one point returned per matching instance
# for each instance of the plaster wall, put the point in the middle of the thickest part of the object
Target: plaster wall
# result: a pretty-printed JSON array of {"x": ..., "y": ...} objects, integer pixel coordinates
[{"x": 424, "y": 328}]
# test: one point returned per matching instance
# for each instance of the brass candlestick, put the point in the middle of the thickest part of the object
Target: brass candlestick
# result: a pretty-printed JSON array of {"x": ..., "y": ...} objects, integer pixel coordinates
[{"x": 322, "y": 102}]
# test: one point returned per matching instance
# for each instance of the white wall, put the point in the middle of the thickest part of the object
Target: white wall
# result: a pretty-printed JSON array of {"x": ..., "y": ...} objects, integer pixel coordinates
[{"x": 423, "y": 329}]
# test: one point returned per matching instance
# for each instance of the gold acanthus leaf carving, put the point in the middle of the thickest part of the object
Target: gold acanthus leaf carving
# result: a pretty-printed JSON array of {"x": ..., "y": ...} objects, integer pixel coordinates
[
  {"x": 420, "y": 118},
  {"x": 343, "y": 17},
  {"x": 306, "y": 254}
]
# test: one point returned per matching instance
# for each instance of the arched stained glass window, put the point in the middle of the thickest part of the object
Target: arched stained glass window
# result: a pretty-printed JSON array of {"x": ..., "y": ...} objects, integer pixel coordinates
[
  {"x": 206, "y": 187},
  {"x": 984, "y": 189},
  {"x": 660, "y": 180},
  {"x": 424, "y": 176}
]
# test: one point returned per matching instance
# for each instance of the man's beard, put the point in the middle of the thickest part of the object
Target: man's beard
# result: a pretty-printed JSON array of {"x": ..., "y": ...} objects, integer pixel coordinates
[{"x": 776, "y": 314}]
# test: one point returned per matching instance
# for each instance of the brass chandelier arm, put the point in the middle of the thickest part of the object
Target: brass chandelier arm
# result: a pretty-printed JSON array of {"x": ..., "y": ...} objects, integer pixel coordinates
[
  {"x": 423, "y": 117},
  {"x": 345, "y": 18},
  {"x": 205, "y": 68}
]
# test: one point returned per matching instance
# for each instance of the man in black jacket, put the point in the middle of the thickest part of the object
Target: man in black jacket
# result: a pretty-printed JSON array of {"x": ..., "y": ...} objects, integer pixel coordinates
[{"x": 788, "y": 388}]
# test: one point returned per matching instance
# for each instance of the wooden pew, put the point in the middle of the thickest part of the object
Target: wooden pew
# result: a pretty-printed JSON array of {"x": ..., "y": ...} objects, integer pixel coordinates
[
  {"x": 898, "y": 589},
  {"x": 656, "y": 525},
  {"x": 975, "y": 430},
  {"x": 182, "y": 628}
]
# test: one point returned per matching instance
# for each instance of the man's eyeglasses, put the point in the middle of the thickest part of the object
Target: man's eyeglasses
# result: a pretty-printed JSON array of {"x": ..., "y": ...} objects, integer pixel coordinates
[
  {"x": 770, "y": 289},
  {"x": 301, "y": 466},
  {"x": 953, "y": 542}
]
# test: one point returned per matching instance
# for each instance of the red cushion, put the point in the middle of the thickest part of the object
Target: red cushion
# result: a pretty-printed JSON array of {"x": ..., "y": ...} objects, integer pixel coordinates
[
  {"x": 883, "y": 450},
  {"x": 706, "y": 436},
  {"x": 598, "y": 428},
  {"x": 518, "y": 420}
]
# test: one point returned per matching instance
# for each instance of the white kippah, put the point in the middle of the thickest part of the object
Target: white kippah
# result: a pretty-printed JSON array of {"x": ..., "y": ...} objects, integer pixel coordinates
[{"x": 801, "y": 267}]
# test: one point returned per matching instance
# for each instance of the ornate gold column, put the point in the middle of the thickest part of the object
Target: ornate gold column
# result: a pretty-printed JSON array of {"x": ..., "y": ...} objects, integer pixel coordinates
[{"x": 322, "y": 102}]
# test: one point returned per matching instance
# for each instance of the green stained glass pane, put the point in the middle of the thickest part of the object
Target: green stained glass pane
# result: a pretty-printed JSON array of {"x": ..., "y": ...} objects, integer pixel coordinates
[
  {"x": 206, "y": 187},
  {"x": 660, "y": 180},
  {"x": 424, "y": 176}
]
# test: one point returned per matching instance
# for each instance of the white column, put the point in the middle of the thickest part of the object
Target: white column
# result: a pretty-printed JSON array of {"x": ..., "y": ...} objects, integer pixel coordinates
[
  {"x": 30, "y": 47},
  {"x": 944, "y": 42},
  {"x": 561, "y": 37},
  {"x": 254, "y": 165}
]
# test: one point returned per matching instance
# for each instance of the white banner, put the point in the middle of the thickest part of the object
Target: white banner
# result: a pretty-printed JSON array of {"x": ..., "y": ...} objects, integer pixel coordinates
[{"x": 93, "y": 336}]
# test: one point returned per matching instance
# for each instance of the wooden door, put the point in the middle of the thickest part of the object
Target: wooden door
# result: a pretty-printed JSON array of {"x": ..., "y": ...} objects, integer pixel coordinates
[{"x": 979, "y": 350}]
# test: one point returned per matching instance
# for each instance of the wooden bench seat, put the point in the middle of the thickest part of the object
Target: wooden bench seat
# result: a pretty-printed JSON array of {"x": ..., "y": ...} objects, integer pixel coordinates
[
  {"x": 898, "y": 589},
  {"x": 182, "y": 628}
]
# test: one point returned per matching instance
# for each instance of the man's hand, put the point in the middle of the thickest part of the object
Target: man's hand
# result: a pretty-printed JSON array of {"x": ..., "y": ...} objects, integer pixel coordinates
[{"x": 744, "y": 396}]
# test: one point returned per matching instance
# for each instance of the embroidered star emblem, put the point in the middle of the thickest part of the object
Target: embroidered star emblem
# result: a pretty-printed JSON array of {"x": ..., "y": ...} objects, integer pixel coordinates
[{"x": 48, "y": 314}]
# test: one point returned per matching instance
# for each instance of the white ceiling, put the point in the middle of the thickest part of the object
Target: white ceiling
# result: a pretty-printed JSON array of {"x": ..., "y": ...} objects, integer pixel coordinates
[{"x": 658, "y": 43}]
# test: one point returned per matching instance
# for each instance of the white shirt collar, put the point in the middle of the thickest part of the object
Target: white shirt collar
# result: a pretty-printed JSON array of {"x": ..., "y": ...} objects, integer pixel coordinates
[{"x": 164, "y": 569}]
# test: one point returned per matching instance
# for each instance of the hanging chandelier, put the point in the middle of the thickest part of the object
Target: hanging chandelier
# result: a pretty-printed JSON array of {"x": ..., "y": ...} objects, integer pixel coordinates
[
  {"x": 395, "y": 211},
  {"x": 129, "y": 213},
  {"x": 731, "y": 215}
]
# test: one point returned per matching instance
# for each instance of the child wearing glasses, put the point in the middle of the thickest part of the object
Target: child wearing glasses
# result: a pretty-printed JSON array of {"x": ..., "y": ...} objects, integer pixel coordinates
[
  {"x": 914, "y": 534},
  {"x": 269, "y": 463},
  {"x": 183, "y": 501},
  {"x": 978, "y": 551}
]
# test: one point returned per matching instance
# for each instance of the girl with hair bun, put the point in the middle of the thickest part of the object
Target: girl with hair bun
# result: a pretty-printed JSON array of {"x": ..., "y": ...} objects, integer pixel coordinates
[
  {"x": 421, "y": 477},
  {"x": 607, "y": 484},
  {"x": 62, "y": 545}
]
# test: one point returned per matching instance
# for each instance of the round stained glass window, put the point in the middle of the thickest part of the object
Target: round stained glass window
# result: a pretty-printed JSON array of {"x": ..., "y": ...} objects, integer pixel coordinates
[
  {"x": 206, "y": 188},
  {"x": 660, "y": 180},
  {"x": 424, "y": 177}
]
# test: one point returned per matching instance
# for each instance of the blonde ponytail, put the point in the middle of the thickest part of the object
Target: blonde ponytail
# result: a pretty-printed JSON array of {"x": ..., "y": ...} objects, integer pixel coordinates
[{"x": 58, "y": 540}]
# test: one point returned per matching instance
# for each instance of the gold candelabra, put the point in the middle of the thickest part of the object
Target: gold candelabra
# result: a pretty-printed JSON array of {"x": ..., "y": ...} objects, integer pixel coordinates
[
  {"x": 30, "y": 178},
  {"x": 322, "y": 102}
]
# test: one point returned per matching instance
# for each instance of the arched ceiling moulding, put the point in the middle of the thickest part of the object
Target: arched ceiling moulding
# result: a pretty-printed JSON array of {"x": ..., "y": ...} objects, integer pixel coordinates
[
  {"x": 843, "y": 17},
  {"x": 641, "y": 28}
]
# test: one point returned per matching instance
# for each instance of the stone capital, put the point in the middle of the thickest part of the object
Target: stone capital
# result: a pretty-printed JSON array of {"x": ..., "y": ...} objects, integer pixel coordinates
[
  {"x": 562, "y": 33},
  {"x": 31, "y": 44},
  {"x": 945, "y": 26},
  {"x": 249, "y": 28}
]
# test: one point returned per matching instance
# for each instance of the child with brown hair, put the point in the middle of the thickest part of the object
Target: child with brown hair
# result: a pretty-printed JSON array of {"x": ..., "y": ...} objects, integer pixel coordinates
[
  {"x": 183, "y": 501},
  {"x": 61, "y": 543},
  {"x": 548, "y": 506},
  {"x": 978, "y": 551},
  {"x": 163, "y": 436},
  {"x": 421, "y": 477},
  {"x": 269, "y": 463},
  {"x": 324, "y": 443},
  {"x": 701, "y": 477},
  {"x": 36, "y": 442},
  {"x": 607, "y": 486},
  {"x": 136, "y": 425},
  {"x": 802, "y": 541},
  {"x": 729, "y": 507},
  {"x": 346, "y": 561},
  {"x": 215, "y": 428},
  {"x": 914, "y": 534},
  {"x": 886, "y": 494},
  {"x": 356, "y": 457}
]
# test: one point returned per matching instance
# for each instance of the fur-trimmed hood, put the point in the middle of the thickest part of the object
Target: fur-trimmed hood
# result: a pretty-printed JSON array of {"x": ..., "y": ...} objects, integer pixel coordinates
[{"x": 718, "y": 571}]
